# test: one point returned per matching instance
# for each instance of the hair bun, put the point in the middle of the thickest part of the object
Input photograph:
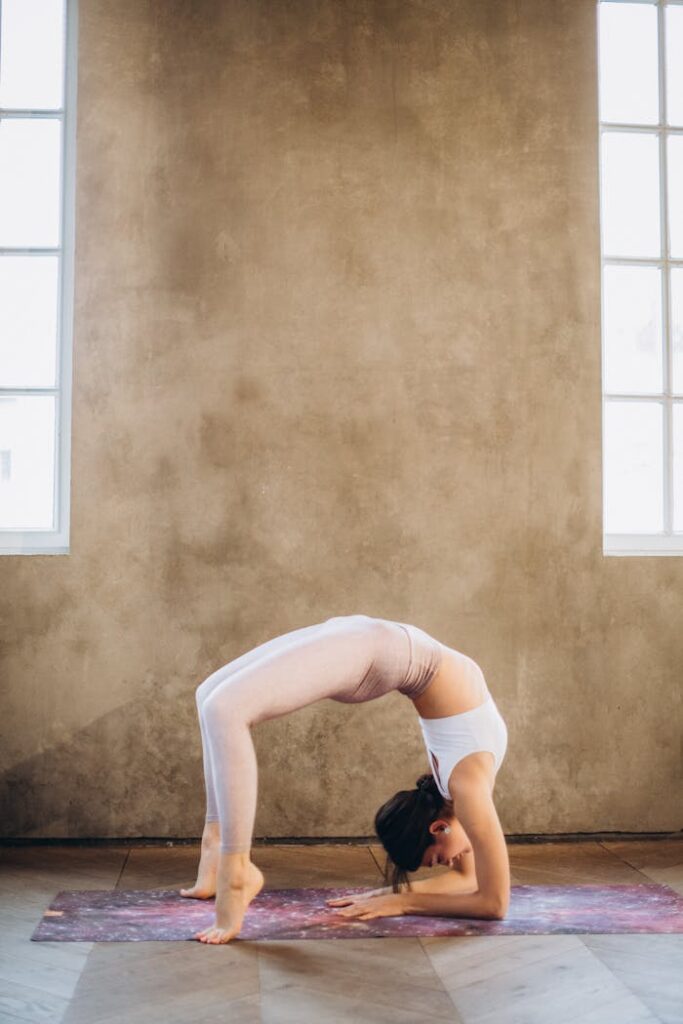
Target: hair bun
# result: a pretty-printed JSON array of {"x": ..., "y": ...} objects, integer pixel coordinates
[{"x": 427, "y": 784}]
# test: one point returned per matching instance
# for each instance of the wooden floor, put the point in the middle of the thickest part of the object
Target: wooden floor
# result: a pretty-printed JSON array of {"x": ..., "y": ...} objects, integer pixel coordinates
[{"x": 592, "y": 979}]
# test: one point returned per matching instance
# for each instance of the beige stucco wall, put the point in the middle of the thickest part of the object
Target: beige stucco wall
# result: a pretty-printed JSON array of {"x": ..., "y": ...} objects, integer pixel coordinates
[{"x": 337, "y": 349}]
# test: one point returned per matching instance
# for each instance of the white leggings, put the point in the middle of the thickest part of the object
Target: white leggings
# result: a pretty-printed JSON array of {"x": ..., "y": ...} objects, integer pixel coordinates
[{"x": 347, "y": 658}]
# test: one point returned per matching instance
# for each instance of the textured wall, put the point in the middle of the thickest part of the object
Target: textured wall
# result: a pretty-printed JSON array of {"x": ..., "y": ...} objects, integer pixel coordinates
[{"x": 337, "y": 350}]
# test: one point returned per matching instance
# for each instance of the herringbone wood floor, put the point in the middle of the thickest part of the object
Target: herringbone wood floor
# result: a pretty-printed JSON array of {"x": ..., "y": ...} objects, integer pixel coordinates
[{"x": 593, "y": 979}]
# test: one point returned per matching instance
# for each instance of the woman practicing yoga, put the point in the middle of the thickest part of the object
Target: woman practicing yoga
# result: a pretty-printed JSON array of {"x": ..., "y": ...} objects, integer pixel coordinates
[{"x": 449, "y": 818}]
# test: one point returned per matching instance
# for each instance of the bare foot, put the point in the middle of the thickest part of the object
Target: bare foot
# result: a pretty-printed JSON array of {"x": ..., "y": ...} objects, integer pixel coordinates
[
  {"x": 232, "y": 902},
  {"x": 205, "y": 886}
]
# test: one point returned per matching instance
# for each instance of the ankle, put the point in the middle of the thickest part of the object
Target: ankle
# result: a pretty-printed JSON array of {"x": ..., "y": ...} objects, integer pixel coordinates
[
  {"x": 236, "y": 883},
  {"x": 235, "y": 868},
  {"x": 211, "y": 836}
]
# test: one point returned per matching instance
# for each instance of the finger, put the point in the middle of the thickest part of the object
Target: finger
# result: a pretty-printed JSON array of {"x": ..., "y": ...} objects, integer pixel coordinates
[{"x": 340, "y": 901}]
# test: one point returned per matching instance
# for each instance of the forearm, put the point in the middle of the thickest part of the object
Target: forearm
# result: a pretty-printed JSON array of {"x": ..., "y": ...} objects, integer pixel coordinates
[
  {"x": 446, "y": 882},
  {"x": 446, "y": 904}
]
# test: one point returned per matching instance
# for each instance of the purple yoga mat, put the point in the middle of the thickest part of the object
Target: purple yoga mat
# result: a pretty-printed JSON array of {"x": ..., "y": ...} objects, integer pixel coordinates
[{"x": 117, "y": 915}]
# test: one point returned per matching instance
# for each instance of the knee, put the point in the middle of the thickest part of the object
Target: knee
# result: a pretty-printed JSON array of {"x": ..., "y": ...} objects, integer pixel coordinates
[
  {"x": 220, "y": 710},
  {"x": 204, "y": 691}
]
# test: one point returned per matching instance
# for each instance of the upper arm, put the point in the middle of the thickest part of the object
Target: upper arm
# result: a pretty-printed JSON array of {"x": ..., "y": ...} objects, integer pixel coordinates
[{"x": 475, "y": 809}]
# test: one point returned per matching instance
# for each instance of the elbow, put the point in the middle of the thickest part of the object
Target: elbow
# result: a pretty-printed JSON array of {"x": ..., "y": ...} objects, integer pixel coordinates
[
  {"x": 497, "y": 914},
  {"x": 496, "y": 908}
]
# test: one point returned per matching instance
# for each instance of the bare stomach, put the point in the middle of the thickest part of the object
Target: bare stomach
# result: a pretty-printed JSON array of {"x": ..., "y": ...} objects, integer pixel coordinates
[{"x": 458, "y": 685}]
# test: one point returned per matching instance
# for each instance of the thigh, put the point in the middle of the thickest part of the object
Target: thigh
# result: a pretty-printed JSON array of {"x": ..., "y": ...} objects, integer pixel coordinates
[
  {"x": 251, "y": 656},
  {"x": 327, "y": 660}
]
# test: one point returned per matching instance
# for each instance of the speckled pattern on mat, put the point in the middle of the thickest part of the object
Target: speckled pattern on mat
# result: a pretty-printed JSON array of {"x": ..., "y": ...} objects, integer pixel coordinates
[{"x": 162, "y": 914}]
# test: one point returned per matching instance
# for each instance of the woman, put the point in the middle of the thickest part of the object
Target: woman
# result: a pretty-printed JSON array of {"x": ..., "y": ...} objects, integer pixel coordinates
[{"x": 450, "y": 818}]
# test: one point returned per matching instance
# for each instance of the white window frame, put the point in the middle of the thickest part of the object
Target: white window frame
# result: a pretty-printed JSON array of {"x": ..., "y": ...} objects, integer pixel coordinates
[
  {"x": 36, "y": 541},
  {"x": 666, "y": 542}
]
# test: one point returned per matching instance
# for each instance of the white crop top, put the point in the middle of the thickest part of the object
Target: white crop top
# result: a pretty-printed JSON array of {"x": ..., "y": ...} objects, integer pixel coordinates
[{"x": 453, "y": 737}]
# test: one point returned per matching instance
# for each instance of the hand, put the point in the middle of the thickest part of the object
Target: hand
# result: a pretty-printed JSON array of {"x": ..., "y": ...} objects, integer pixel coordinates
[
  {"x": 364, "y": 908},
  {"x": 357, "y": 897}
]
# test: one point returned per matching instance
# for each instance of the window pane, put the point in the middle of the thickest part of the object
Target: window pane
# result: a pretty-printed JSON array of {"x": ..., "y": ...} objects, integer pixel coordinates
[
  {"x": 675, "y": 176},
  {"x": 629, "y": 88},
  {"x": 27, "y": 448},
  {"x": 677, "y": 327},
  {"x": 633, "y": 329},
  {"x": 674, "y": 64},
  {"x": 29, "y": 182},
  {"x": 629, "y": 201},
  {"x": 31, "y": 54},
  {"x": 28, "y": 321},
  {"x": 633, "y": 467},
  {"x": 678, "y": 465}
]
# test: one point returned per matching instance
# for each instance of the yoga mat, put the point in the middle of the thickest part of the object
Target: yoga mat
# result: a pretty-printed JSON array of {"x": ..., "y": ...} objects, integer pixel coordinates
[{"x": 119, "y": 915}]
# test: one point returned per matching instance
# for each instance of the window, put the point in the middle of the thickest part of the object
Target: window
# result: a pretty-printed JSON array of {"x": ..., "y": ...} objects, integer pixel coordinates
[
  {"x": 640, "y": 59},
  {"x": 37, "y": 157}
]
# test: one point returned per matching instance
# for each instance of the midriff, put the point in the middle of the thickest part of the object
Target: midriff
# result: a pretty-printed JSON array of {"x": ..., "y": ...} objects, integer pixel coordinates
[{"x": 458, "y": 685}]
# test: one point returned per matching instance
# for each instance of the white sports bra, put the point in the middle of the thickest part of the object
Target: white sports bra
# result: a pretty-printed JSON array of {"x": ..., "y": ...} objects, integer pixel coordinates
[{"x": 453, "y": 737}]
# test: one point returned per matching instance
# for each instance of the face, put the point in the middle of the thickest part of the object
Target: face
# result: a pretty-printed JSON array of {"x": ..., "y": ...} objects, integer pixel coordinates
[{"x": 447, "y": 845}]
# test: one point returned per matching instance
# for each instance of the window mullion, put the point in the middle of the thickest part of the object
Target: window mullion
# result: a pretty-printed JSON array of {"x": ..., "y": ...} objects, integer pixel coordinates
[
  {"x": 7, "y": 113},
  {"x": 27, "y": 250},
  {"x": 650, "y": 129}
]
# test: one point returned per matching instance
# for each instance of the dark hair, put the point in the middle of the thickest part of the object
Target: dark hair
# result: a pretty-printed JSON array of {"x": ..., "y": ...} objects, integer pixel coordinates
[{"x": 402, "y": 825}]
